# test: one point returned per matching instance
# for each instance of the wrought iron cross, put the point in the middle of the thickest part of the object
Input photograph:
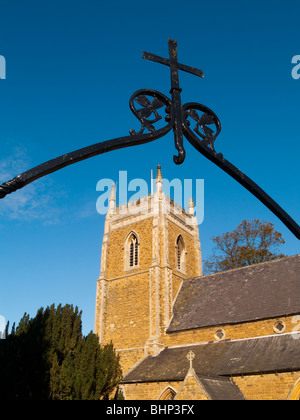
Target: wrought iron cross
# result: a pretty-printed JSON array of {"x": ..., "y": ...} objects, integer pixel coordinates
[
  {"x": 196, "y": 122},
  {"x": 175, "y": 91}
]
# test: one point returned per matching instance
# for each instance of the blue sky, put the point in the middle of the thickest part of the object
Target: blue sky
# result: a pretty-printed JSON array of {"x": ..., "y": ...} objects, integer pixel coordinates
[{"x": 72, "y": 67}]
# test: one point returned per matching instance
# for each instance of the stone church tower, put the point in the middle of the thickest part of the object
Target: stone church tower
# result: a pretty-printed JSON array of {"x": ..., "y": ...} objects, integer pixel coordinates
[{"x": 149, "y": 247}]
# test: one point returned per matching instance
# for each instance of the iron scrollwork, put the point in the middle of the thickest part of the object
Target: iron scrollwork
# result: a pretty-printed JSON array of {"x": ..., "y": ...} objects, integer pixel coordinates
[
  {"x": 207, "y": 126},
  {"x": 149, "y": 108}
]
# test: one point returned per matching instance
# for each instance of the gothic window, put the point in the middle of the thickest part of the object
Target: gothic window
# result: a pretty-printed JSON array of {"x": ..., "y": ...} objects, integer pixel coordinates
[
  {"x": 132, "y": 251},
  {"x": 180, "y": 254},
  {"x": 168, "y": 394}
]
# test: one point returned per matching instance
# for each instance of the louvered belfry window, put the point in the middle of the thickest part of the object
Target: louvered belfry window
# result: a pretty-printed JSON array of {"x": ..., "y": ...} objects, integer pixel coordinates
[
  {"x": 180, "y": 253},
  {"x": 133, "y": 251}
]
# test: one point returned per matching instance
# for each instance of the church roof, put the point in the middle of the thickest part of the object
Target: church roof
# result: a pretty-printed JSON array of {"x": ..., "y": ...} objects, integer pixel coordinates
[
  {"x": 221, "y": 389},
  {"x": 260, "y": 291},
  {"x": 274, "y": 353}
]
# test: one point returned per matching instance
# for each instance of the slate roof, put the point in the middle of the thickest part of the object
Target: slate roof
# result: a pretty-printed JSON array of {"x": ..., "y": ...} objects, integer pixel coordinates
[
  {"x": 260, "y": 291},
  {"x": 276, "y": 353},
  {"x": 221, "y": 389}
]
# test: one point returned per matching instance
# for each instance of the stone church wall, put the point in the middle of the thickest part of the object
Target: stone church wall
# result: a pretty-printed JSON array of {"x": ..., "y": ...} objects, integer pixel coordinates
[{"x": 233, "y": 332}]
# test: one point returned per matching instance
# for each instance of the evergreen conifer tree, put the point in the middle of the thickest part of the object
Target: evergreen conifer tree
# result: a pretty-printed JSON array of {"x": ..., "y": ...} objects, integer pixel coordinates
[{"x": 47, "y": 357}]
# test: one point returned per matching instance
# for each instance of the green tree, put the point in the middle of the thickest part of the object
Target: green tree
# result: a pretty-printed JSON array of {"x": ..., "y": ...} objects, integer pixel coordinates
[
  {"x": 48, "y": 358},
  {"x": 252, "y": 242}
]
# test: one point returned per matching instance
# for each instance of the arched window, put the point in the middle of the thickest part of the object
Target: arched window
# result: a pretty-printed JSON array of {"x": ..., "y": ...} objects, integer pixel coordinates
[
  {"x": 295, "y": 391},
  {"x": 132, "y": 251},
  {"x": 168, "y": 394},
  {"x": 180, "y": 254}
]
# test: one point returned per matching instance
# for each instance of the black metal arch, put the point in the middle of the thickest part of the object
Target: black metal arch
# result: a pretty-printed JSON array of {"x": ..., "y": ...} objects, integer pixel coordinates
[{"x": 199, "y": 124}]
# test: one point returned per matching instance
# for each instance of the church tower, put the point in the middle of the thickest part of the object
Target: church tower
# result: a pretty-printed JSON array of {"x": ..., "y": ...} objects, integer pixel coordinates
[{"x": 149, "y": 247}]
